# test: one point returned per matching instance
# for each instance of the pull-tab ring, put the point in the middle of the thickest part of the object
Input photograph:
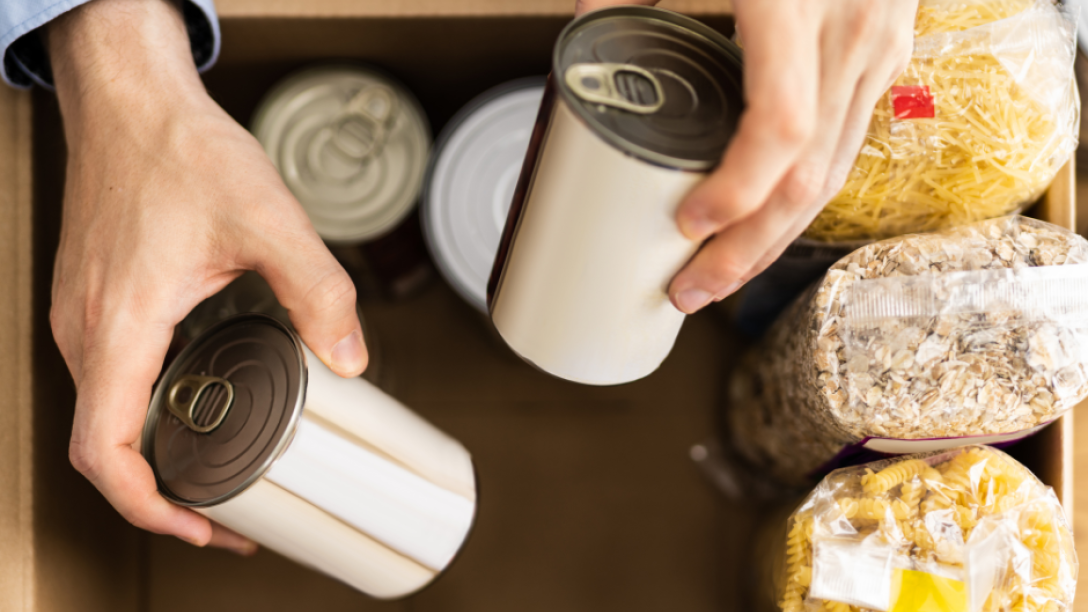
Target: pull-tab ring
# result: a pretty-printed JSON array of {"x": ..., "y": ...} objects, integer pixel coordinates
[
  {"x": 199, "y": 402},
  {"x": 623, "y": 86},
  {"x": 360, "y": 131}
]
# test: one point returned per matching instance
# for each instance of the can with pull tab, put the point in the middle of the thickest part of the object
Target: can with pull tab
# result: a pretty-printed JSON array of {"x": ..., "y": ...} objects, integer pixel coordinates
[
  {"x": 250, "y": 429},
  {"x": 352, "y": 145},
  {"x": 640, "y": 106}
]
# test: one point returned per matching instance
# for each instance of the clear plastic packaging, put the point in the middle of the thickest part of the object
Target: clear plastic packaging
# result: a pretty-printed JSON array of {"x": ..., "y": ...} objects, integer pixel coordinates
[
  {"x": 977, "y": 126},
  {"x": 968, "y": 530},
  {"x": 919, "y": 343}
]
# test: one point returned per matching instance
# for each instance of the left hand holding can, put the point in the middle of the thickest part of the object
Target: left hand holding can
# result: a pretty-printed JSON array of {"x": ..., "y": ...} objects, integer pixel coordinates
[
  {"x": 814, "y": 71},
  {"x": 167, "y": 200}
]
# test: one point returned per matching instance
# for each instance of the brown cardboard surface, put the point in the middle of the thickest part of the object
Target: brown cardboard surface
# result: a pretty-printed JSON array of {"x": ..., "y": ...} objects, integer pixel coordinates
[
  {"x": 16, "y": 519},
  {"x": 434, "y": 8},
  {"x": 1079, "y": 454}
]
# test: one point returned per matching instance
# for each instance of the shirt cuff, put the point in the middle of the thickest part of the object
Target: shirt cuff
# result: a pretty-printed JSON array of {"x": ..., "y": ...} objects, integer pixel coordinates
[{"x": 25, "y": 61}]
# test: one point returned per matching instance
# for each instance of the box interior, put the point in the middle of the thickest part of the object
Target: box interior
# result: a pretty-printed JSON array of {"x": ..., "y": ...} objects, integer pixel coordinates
[{"x": 588, "y": 497}]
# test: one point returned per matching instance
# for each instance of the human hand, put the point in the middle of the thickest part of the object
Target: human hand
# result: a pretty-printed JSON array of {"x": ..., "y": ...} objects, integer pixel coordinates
[
  {"x": 813, "y": 73},
  {"x": 167, "y": 200}
]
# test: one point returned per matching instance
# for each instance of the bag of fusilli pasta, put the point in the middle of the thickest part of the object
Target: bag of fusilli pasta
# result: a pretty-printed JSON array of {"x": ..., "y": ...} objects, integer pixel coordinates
[
  {"x": 977, "y": 334},
  {"x": 976, "y": 127},
  {"x": 968, "y": 530}
]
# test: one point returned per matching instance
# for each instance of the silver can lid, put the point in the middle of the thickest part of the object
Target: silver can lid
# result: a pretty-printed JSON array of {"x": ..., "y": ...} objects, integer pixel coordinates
[
  {"x": 471, "y": 180},
  {"x": 351, "y": 144},
  {"x": 657, "y": 85},
  {"x": 225, "y": 409}
]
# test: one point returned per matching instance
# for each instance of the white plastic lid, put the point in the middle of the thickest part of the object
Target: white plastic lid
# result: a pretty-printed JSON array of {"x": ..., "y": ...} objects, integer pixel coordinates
[
  {"x": 471, "y": 183},
  {"x": 351, "y": 144}
]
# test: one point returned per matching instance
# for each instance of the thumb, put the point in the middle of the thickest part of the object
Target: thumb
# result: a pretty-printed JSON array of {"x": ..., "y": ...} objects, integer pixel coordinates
[{"x": 318, "y": 294}]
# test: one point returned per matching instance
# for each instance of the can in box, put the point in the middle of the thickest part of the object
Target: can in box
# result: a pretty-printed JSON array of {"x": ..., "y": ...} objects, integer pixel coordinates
[
  {"x": 352, "y": 146},
  {"x": 250, "y": 429},
  {"x": 640, "y": 106},
  {"x": 470, "y": 183}
]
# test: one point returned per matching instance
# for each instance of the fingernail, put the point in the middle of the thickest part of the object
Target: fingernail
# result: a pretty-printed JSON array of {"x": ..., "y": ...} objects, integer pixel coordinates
[
  {"x": 192, "y": 541},
  {"x": 728, "y": 291},
  {"x": 347, "y": 355},
  {"x": 245, "y": 550},
  {"x": 691, "y": 300},
  {"x": 699, "y": 228}
]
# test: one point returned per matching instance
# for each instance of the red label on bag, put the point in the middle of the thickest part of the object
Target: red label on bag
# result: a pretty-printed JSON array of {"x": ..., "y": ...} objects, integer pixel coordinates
[{"x": 912, "y": 102}]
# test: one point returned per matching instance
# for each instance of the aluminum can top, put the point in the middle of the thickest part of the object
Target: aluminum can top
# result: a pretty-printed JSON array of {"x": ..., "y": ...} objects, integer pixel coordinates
[
  {"x": 351, "y": 144},
  {"x": 657, "y": 85},
  {"x": 225, "y": 409}
]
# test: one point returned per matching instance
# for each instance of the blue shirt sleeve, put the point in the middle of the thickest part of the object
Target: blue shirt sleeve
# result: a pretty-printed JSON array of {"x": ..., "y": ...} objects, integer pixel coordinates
[{"x": 25, "y": 61}]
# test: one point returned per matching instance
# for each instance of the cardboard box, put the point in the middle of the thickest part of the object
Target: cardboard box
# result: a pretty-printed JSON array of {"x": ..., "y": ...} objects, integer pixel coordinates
[{"x": 588, "y": 498}]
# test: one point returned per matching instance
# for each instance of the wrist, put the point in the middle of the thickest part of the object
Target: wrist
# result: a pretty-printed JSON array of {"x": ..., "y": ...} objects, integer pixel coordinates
[{"x": 127, "y": 58}]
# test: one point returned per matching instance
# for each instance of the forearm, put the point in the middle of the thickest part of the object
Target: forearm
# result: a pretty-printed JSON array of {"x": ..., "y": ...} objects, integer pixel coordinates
[{"x": 122, "y": 57}]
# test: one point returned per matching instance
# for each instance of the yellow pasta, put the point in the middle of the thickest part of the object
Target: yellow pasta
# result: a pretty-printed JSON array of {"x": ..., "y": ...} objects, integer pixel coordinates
[
  {"x": 943, "y": 17},
  {"x": 998, "y": 131},
  {"x": 893, "y": 475},
  {"x": 926, "y": 513},
  {"x": 798, "y": 560}
]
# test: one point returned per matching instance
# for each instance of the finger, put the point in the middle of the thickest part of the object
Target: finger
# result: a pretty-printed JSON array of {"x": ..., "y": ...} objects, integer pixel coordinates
[
  {"x": 121, "y": 361},
  {"x": 735, "y": 256},
  {"x": 780, "y": 79},
  {"x": 743, "y": 249},
  {"x": 872, "y": 86},
  {"x": 313, "y": 287},
  {"x": 585, "y": 6},
  {"x": 854, "y": 131},
  {"x": 778, "y": 248},
  {"x": 223, "y": 537}
]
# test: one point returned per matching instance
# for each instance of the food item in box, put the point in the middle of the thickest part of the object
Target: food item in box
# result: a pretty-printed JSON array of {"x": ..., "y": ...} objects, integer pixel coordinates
[
  {"x": 250, "y": 429},
  {"x": 915, "y": 343},
  {"x": 968, "y": 530},
  {"x": 470, "y": 183},
  {"x": 641, "y": 104},
  {"x": 352, "y": 144},
  {"x": 976, "y": 127}
]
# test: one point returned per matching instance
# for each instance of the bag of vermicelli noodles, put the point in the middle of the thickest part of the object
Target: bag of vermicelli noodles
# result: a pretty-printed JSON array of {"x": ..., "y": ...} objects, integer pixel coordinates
[{"x": 975, "y": 128}]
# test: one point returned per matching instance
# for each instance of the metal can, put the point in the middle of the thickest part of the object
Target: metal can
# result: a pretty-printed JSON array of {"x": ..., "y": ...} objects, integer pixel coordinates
[
  {"x": 249, "y": 293},
  {"x": 250, "y": 429},
  {"x": 470, "y": 183},
  {"x": 640, "y": 105},
  {"x": 352, "y": 145}
]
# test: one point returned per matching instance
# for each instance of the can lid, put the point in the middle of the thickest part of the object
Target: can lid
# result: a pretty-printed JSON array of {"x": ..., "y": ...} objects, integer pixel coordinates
[
  {"x": 657, "y": 85},
  {"x": 351, "y": 144},
  {"x": 225, "y": 409},
  {"x": 471, "y": 180}
]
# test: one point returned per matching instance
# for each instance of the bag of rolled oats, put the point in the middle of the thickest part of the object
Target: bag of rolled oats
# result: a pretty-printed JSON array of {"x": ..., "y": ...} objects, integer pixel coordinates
[{"x": 974, "y": 335}]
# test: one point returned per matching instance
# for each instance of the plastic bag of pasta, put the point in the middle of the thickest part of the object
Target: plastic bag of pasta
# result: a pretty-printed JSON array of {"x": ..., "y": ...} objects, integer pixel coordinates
[
  {"x": 975, "y": 128},
  {"x": 969, "y": 530},
  {"x": 977, "y": 334}
]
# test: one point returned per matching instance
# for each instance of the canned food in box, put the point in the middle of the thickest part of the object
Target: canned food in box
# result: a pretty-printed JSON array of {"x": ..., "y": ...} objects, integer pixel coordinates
[
  {"x": 640, "y": 106},
  {"x": 471, "y": 181},
  {"x": 250, "y": 429},
  {"x": 352, "y": 145}
]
